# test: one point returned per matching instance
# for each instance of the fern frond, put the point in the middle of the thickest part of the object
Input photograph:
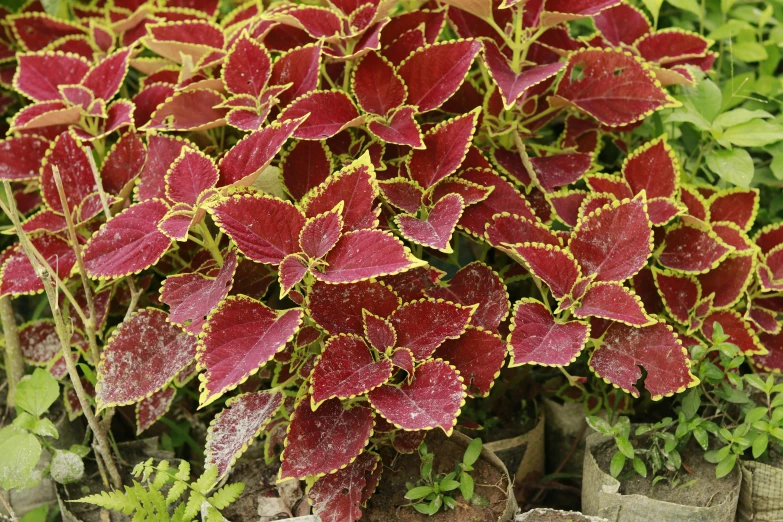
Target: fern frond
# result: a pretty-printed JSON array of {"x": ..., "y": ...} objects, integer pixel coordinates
[
  {"x": 226, "y": 495},
  {"x": 193, "y": 505},
  {"x": 184, "y": 471},
  {"x": 114, "y": 500},
  {"x": 176, "y": 491},
  {"x": 206, "y": 480}
]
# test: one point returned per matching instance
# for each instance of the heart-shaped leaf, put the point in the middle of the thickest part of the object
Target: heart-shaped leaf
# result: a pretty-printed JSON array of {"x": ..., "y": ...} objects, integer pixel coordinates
[
  {"x": 692, "y": 249},
  {"x": 192, "y": 173},
  {"x": 345, "y": 369},
  {"x": 320, "y": 233},
  {"x": 338, "y": 308},
  {"x": 105, "y": 78},
  {"x": 192, "y": 296},
  {"x": 614, "y": 241},
  {"x": 622, "y": 24},
  {"x": 478, "y": 356},
  {"x": 344, "y": 431},
  {"x": 477, "y": 284},
  {"x": 143, "y": 355},
  {"x": 655, "y": 348},
  {"x": 435, "y": 231},
  {"x": 536, "y": 338},
  {"x": 237, "y": 426},
  {"x": 679, "y": 293},
  {"x": 423, "y": 325},
  {"x": 239, "y": 337},
  {"x": 300, "y": 67},
  {"x": 736, "y": 205},
  {"x": 611, "y": 300},
  {"x": 379, "y": 332},
  {"x": 653, "y": 168},
  {"x": 247, "y": 67},
  {"x": 39, "y": 74},
  {"x": 432, "y": 400},
  {"x": 377, "y": 87}
]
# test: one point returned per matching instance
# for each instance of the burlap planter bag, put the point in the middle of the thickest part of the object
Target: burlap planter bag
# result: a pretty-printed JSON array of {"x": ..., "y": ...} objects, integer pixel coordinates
[
  {"x": 601, "y": 497},
  {"x": 761, "y": 496},
  {"x": 524, "y": 454},
  {"x": 555, "y": 515}
]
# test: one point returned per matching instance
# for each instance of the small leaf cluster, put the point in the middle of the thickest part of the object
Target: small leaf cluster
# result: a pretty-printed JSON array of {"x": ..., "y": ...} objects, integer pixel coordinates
[
  {"x": 160, "y": 488},
  {"x": 435, "y": 492}
]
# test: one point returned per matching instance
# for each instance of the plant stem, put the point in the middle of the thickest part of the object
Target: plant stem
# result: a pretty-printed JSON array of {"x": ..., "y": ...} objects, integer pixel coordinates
[
  {"x": 14, "y": 363},
  {"x": 209, "y": 243},
  {"x": 8, "y": 508},
  {"x": 101, "y": 439}
]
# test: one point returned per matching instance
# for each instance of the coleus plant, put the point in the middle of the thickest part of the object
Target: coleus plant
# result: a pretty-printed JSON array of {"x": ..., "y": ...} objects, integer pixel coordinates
[{"x": 337, "y": 152}]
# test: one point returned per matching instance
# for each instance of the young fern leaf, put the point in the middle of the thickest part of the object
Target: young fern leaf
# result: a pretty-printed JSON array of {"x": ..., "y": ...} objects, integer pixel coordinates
[{"x": 226, "y": 495}]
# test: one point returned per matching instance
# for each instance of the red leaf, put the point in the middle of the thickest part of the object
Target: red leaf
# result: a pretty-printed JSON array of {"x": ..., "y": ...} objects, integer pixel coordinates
[
  {"x": 355, "y": 186},
  {"x": 177, "y": 114},
  {"x": 321, "y": 233},
  {"x": 143, "y": 355},
  {"x": 513, "y": 84},
  {"x": 471, "y": 193},
  {"x": 553, "y": 265},
  {"x": 39, "y": 342},
  {"x": 622, "y": 24},
  {"x": 247, "y": 68},
  {"x": 412, "y": 284},
  {"x": 435, "y": 231},
  {"x": 655, "y": 348},
  {"x": 149, "y": 410},
  {"x": 345, "y": 369},
  {"x": 670, "y": 45},
  {"x": 772, "y": 361},
  {"x": 241, "y": 335},
  {"x": 652, "y": 168},
  {"x": 338, "y": 308},
  {"x": 432, "y": 400},
  {"x": 45, "y": 114},
  {"x": 127, "y": 243},
  {"x": 363, "y": 254},
  {"x": 446, "y": 146},
  {"x": 615, "y": 302},
  {"x": 237, "y": 426},
  {"x": 148, "y": 99},
  {"x": 733, "y": 236},
  {"x": 378, "y": 89},
  {"x": 36, "y": 30},
  {"x": 769, "y": 237},
  {"x": 162, "y": 151},
  {"x": 21, "y": 157},
  {"x": 612, "y": 87},
  {"x": 424, "y": 325},
  {"x": 318, "y": 22},
  {"x": 738, "y": 206},
  {"x": 567, "y": 205},
  {"x": 404, "y": 46},
  {"x": 245, "y": 161},
  {"x": 338, "y": 497},
  {"x": 192, "y": 296},
  {"x": 663, "y": 210},
  {"x": 503, "y": 198},
  {"x": 329, "y": 113},
  {"x": 176, "y": 39},
  {"x": 300, "y": 67},
  {"x": 692, "y": 249},
  {"x": 765, "y": 320},
  {"x": 105, "y": 78},
  {"x": 557, "y": 11},
  {"x": 434, "y": 73},
  {"x": 402, "y": 128},
  {"x": 305, "y": 165},
  {"x": 729, "y": 280},
  {"x": 477, "y": 355},
  {"x": 67, "y": 154},
  {"x": 536, "y": 338},
  {"x": 403, "y": 193},
  {"x": 403, "y": 358},
  {"x": 613, "y": 242},
  {"x": 344, "y": 432},
  {"x": 192, "y": 173},
  {"x": 511, "y": 230},
  {"x": 739, "y": 331},
  {"x": 39, "y": 74},
  {"x": 609, "y": 184},
  {"x": 680, "y": 293},
  {"x": 477, "y": 283},
  {"x": 123, "y": 163},
  {"x": 45, "y": 221},
  {"x": 379, "y": 332},
  {"x": 559, "y": 170},
  {"x": 291, "y": 271},
  {"x": 264, "y": 228}
]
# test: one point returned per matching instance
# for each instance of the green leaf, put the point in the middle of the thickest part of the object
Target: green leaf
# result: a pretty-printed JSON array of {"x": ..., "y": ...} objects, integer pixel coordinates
[
  {"x": 115, "y": 500},
  {"x": 206, "y": 480},
  {"x": 39, "y": 514},
  {"x": 755, "y": 133},
  {"x": 692, "y": 6},
  {"x": 739, "y": 116},
  {"x": 700, "y": 434},
  {"x": 600, "y": 425},
  {"x": 624, "y": 445},
  {"x": 691, "y": 403},
  {"x": 418, "y": 492},
  {"x": 466, "y": 486},
  {"x": 639, "y": 467},
  {"x": 24, "y": 421},
  {"x": 66, "y": 467},
  {"x": 777, "y": 166},
  {"x": 725, "y": 466},
  {"x": 749, "y": 52},
  {"x": 449, "y": 502},
  {"x": 617, "y": 464},
  {"x": 19, "y": 454},
  {"x": 472, "y": 452},
  {"x": 756, "y": 414},
  {"x": 449, "y": 485},
  {"x": 760, "y": 445},
  {"x": 227, "y": 495},
  {"x": 45, "y": 428},
  {"x": 654, "y": 6},
  {"x": 36, "y": 392},
  {"x": 705, "y": 99},
  {"x": 425, "y": 509},
  {"x": 734, "y": 166}
]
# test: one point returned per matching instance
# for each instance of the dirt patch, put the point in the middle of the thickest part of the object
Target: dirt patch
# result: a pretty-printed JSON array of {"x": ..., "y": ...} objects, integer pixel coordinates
[
  {"x": 545, "y": 515},
  {"x": 389, "y": 503},
  {"x": 259, "y": 481},
  {"x": 705, "y": 491}
]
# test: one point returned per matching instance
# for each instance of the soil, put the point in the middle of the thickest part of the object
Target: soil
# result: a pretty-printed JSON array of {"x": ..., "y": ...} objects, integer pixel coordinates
[
  {"x": 705, "y": 491},
  {"x": 259, "y": 481},
  {"x": 388, "y": 503},
  {"x": 512, "y": 419}
]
